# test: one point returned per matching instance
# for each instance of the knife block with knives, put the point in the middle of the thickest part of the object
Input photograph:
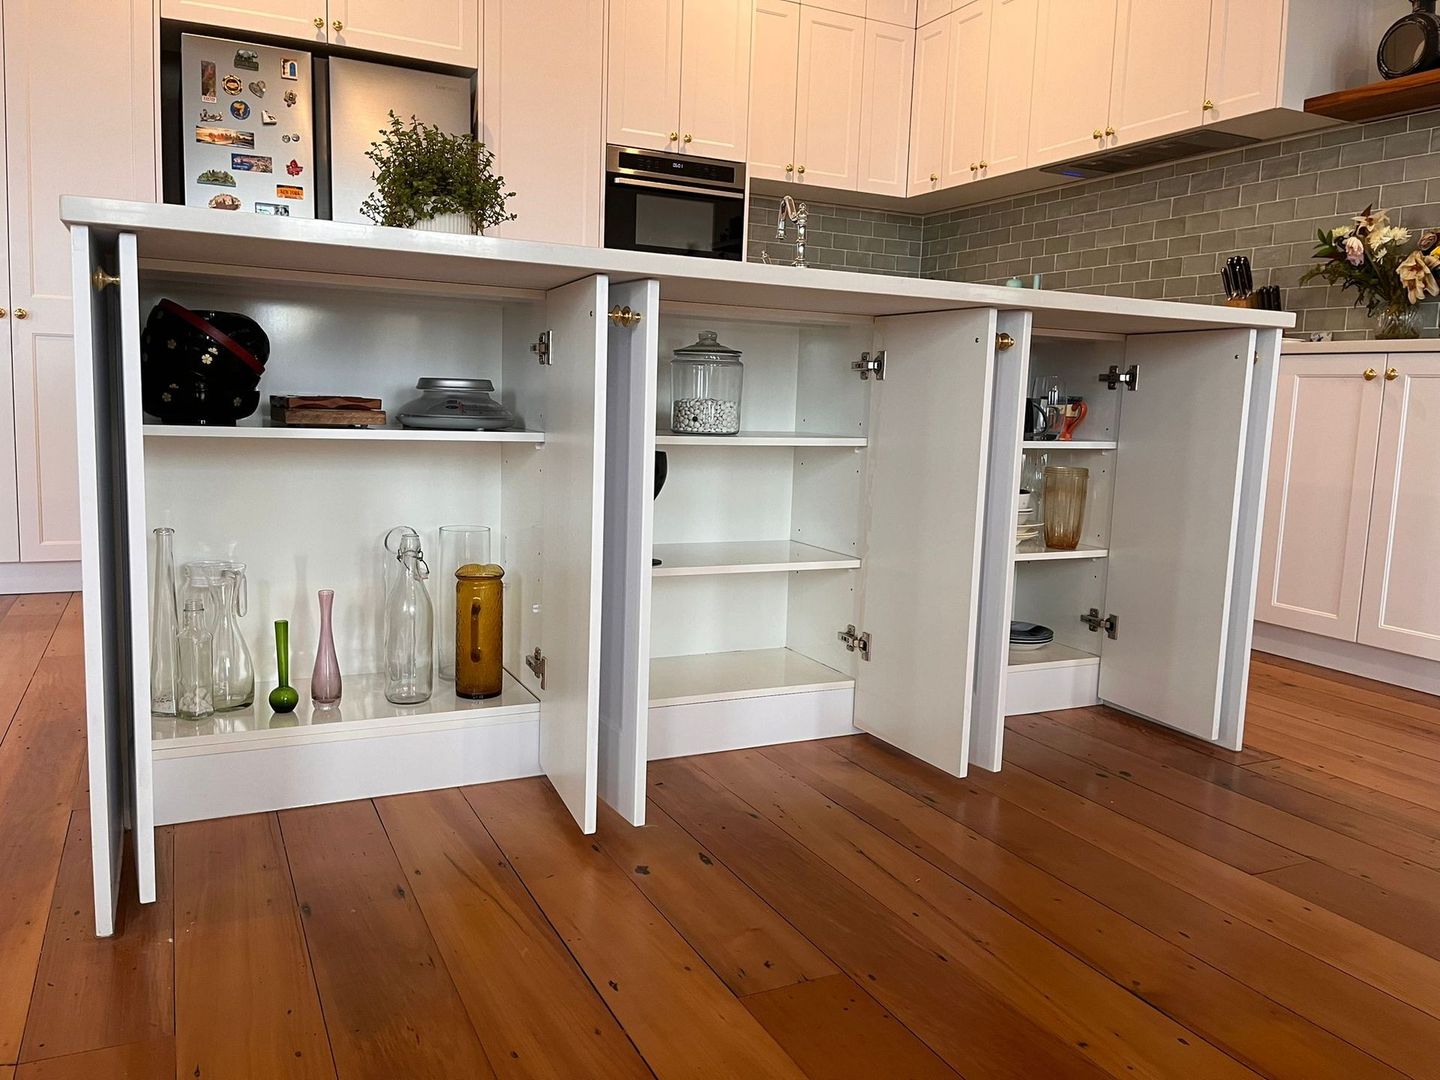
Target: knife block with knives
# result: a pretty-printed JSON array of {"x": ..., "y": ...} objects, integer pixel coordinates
[{"x": 1239, "y": 283}]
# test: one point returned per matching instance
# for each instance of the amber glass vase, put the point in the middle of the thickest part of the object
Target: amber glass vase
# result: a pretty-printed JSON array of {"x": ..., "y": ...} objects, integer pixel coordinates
[
  {"x": 1065, "y": 490},
  {"x": 479, "y": 637}
]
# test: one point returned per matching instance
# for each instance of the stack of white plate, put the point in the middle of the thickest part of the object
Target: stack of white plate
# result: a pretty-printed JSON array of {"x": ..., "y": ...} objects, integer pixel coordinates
[{"x": 1026, "y": 527}]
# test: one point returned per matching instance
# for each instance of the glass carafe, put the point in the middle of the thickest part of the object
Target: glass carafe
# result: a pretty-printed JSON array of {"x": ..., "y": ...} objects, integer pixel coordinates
[
  {"x": 409, "y": 623},
  {"x": 234, "y": 684},
  {"x": 479, "y": 637}
]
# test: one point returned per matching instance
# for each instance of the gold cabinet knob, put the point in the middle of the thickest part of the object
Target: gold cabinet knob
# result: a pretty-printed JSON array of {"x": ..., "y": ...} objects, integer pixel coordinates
[
  {"x": 3, "y": 313},
  {"x": 1110, "y": 131},
  {"x": 337, "y": 26},
  {"x": 1004, "y": 342},
  {"x": 1097, "y": 134},
  {"x": 21, "y": 313},
  {"x": 1209, "y": 105},
  {"x": 689, "y": 138},
  {"x": 1392, "y": 374},
  {"x": 790, "y": 168},
  {"x": 984, "y": 164},
  {"x": 1370, "y": 373},
  {"x": 801, "y": 170},
  {"x": 674, "y": 135},
  {"x": 319, "y": 23}
]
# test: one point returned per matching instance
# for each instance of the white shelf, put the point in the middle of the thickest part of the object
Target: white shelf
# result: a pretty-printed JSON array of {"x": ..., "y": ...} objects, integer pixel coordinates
[
  {"x": 362, "y": 712},
  {"x": 760, "y": 438},
  {"x": 385, "y": 434},
  {"x": 1072, "y": 444},
  {"x": 1053, "y": 655},
  {"x": 689, "y": 680},
  {"x": 746, "y": 557},
  {"x": 1084, "y": 551}
]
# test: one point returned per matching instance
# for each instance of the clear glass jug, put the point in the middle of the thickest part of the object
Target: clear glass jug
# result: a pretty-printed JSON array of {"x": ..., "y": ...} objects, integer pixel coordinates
[{"x": 221, "y": 588}]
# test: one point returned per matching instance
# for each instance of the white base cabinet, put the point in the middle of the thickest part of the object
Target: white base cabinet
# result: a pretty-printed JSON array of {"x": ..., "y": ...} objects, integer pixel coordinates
[{"x": 845, "y": 563}]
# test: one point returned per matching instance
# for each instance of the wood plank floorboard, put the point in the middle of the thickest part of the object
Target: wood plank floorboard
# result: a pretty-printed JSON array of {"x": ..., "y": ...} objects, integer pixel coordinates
[{"x": 1120, "y": 901}]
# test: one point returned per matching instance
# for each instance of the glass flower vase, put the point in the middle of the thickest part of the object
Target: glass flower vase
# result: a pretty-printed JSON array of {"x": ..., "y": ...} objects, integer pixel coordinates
[
  {"x": 1399, "y": 322},
  {"x": 325, "y": 680}
]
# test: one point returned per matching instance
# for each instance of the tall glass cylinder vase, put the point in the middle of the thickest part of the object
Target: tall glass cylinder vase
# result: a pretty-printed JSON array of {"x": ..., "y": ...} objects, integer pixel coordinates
[
  {"x": 164, "y": 627},
  {"x": 1065, "y": 490},
  {"x": 460, "y": 545}
]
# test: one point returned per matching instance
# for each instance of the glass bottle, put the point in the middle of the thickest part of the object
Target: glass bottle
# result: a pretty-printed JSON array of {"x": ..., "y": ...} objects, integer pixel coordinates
[
  {"x": 409, "y": 624},
  {"x": 163, "y": 628},
  {"x": 459, "y": 546},
  {"x": 194, "y": 667},
  {"x": 479, "y": 637},
  {"x": 234, "y": 685},
  {"x": 325, "y": 679}
]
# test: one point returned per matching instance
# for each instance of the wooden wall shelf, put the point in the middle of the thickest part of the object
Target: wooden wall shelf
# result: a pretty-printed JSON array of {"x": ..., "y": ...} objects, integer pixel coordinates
[{"x": 1388, "y": 97}]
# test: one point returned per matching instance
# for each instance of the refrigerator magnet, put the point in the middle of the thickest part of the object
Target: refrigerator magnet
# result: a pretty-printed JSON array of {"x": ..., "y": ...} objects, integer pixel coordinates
[
  {"x": 290, "y": 98},
  {"x": 289, "y": 68},
  {"x": 258, "y": 88},
  {"x": 207, "y": 80},
  {"x": 211, "y": 116},
  {"x": 289, "y": 191},
  {"x": 273, "y": 209},
  {"x": 247, "y": 59},
  {"x": 224, "y": 201},
  {"x": 218, "y": 177},
  {"x": 267, "y": 118},
  {"x": 294, "y": 168},
  {"x": 240, "y": 110},
  {"x": 226, "y": 137},
  {"x": 233, "y": 85},
  {"x": 251, "y": 163}
]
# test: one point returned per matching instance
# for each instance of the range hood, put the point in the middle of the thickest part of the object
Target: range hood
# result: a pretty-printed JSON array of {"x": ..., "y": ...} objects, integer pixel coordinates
[{"x": 1159, "y": 152}]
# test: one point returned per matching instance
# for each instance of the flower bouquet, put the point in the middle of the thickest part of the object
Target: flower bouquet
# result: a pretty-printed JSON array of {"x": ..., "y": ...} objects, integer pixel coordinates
[{"x": 1375, "y": 259}]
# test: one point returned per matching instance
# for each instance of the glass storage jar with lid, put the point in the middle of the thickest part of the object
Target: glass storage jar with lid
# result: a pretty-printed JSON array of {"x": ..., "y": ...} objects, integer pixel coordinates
[{"x": 705, "y": 383}]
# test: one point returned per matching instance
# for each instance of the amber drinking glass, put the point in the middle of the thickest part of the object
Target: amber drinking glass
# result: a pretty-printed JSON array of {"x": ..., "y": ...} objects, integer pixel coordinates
[
  {"x": 479, "y": 637},
  {"x": 1065, "y": 490}
]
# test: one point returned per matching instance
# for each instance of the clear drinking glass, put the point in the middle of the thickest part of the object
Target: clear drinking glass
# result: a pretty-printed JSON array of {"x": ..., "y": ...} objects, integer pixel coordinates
[
  {"x": 460, "y": 545},
  {"x": 163, "y": 618},
  {"x": 1065, "y": 489},
  {"x": 409, "y": 624},
  {"x": 194, "y": 669}
]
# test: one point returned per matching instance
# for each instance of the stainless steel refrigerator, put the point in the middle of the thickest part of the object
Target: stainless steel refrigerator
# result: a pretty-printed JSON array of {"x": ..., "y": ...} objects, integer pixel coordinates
[{"x": 275, "y": 130}]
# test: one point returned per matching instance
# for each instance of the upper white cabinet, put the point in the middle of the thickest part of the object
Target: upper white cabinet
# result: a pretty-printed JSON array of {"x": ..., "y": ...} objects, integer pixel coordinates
[
  {"x": 114, "y": 45},
  {"x": 885, "y": 108},
  {"x": 970, "y": 66},
  {"x": 775, "y": 64},
  {"x": 1244, "y": 58},
  {"x": 679, "y": 75},
  {"x": 1009, "y": 85},
  {"x": 828, "y": 95},
  {"x": 443, "y": 31},
  {"x": 1158, "y": 85},
  {"x": 1074, "y": 53},
  {"x": 931, "y": 103},
  {"x": 898, "y": 12},
  {"x": 927, "y": 11}
]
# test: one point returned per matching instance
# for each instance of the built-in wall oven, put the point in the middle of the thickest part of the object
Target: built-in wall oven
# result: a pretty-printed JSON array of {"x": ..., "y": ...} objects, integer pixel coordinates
[{"x": 675, "y": 204}]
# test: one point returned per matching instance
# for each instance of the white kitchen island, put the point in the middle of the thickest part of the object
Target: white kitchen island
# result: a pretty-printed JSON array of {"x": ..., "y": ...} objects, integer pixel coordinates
[{"x": 847, "y": 563}]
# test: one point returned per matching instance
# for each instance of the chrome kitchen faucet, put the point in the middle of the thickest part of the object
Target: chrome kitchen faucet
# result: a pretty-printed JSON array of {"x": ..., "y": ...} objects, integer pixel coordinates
[{"x": 790, "y": 210}]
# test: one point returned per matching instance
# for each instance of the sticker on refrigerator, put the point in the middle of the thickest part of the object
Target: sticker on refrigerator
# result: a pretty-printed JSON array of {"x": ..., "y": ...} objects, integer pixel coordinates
[
  {"x": 218, "y": 177},
  {"x": 294, "y": 168},
  {"x": 210, "y": 116},
  {"x": 224, "y": 202},
  {"x": 258, "y": 88},
  {"x": 247, "y": 59},
  {"x": 289, "y": 191},
  {"x": 226, "y": 137},
  {"x": 273, "y": 209},
  {"x": 240, "y": 110},
  {"x": 251, "y": 163},
  {"x": 267, "y": 118},
  {"x": 289, "y": 68},
  {"x": 233, "y": 85},
  {"x": 207, "y": 80}
]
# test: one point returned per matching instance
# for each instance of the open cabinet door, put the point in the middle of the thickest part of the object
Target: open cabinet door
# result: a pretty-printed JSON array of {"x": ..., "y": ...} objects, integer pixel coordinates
[
  {"x": 572, "y": 483},
  {"x": 1174, "y": 527},
  {"x": 924, "y": 493},
  {"x": 629, "y": 517},
  {"x": 110, "y": 720}
]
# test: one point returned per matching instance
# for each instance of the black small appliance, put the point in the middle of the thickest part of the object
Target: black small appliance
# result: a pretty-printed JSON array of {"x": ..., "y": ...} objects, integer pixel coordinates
[
  {"x": 1412, "y": 44},
  {"x": 674, "y": 204}
]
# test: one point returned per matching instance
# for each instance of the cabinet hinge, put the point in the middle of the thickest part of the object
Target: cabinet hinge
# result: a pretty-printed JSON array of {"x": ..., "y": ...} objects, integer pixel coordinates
[
  {"x": 1110, "y": 623},
  {"x": 1115, "y": 378},
  {"x": 855, "y": 641},
  {"x": 869, "y": 364},
  {"x": 536, "y": 663},
  {"x": 541, "y": 348}
]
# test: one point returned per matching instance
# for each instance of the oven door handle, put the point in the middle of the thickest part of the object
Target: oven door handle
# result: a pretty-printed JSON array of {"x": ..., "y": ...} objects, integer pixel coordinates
[{"x": 718, "y": 193}]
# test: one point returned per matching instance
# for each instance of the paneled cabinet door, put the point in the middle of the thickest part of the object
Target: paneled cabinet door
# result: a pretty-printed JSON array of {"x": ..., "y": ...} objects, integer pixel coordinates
[
  {"x": 1009, "y": 86},
  {"x": 1074, "y": 51},
  {"x": 715, "y": 78},
  {"x": 445, "y": 31},
  {"x": 113, "y": 44},
  {"x": 772, "y": 89},
  {"x": 930, "y": 105},
  {"x": 1158, "y": 86},
  {"x": 885, "y": 108},
  {"x": 827, "y": 111},
  {"x": 1398, "y": 606},
  {"x": 970, "y": 63},
  {"x": 9, "y": 506},
  {"x": 644, "y": 76},
  {"x": 303, "y": 19},
  {"x": 1317, "y": 507},
  {"x": 898, "y": 12},
  {"x": 928, "y": 11},
  {"x": 1243, "y": 73}
]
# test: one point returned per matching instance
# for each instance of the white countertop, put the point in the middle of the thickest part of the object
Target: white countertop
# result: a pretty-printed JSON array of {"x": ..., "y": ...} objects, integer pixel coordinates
[{"x": 198, "y": 235}]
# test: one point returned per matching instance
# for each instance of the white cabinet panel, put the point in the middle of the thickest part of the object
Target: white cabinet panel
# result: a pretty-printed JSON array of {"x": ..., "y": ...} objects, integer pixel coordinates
[
  {"x": 970, "y": 63},
  {"x": 113, "y": 45},
  {"x": 1173, "y": 527},
  {"x": 1322, "y": 473},
  {"x": 1400, "y": 606},
  {"x": 286, "y": 18},
  {"x": 1070, "y": 108},
  {"x": 554, "y": 159},
  {"x": 844, "y": 7},
  {"x": 928, "y": 11},
  {"x": 930, "y": 105},
  {"x": 1013, "y": 25},
  {"x": 899, "y": 12},
  {"x": 644, "y": 73},
  {"x": 9, "y": 496},
  {"x": 445, "y": 31},
  {"x": 772, "y": 89},
  {"x": 827, "y": 112},
  {"x": 1246, "y": 42},
  {"x": 1159, "y": 80},
  {"x": 885, "y": 108},
  {"x": 715, "y": 78},
  {"x": 929, "y": 424}
]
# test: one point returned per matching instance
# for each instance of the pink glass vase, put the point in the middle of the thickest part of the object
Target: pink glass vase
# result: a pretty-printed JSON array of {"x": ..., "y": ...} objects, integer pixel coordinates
[{"x": 325, "y": 682}]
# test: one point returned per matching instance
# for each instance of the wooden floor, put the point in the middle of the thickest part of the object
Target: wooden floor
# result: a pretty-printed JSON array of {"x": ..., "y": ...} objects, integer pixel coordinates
[{"x": 1118, "y": 901}]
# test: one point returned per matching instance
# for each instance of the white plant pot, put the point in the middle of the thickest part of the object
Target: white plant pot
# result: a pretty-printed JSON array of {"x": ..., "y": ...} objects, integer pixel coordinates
[{"x": 446, "y": 223}]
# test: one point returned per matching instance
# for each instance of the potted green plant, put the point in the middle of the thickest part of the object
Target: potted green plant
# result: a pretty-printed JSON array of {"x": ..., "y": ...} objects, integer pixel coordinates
[
  {"x": 428, "y": 179},
  {"x": 1374, "y": 259}
]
